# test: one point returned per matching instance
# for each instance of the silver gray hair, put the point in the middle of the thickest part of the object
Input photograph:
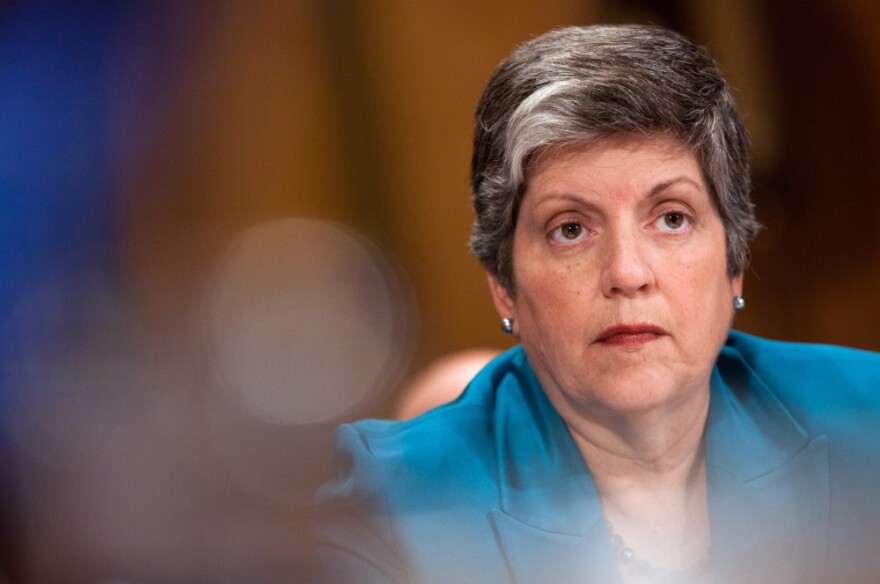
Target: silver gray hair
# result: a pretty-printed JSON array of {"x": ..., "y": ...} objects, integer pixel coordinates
[{"x": 579, "y": 84}]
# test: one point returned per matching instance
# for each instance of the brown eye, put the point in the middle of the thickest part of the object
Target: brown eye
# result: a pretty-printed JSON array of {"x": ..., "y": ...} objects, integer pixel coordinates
[
  {"x": 571, "y": 230},
  {"x": 674, "y": 220}
]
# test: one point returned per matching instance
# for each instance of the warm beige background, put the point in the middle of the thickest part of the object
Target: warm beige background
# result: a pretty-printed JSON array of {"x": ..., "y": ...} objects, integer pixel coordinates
[{"x": 362, "y": 112}]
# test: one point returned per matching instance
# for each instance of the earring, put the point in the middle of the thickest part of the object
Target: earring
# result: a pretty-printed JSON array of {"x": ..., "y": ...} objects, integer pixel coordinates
[
  {"x": 507, "y": 326},
  {"x": 739, "y": 303}
]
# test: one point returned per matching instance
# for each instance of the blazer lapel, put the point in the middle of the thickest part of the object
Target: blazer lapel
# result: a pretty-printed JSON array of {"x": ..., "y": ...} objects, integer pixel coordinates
[
  {"x": 549, "y": 524},
  {"x": 768, "y": 484},
  {"x": 534, "y": 556}
]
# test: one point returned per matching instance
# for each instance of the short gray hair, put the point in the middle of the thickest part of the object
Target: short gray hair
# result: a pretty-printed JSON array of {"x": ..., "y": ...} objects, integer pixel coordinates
[{"x": 579, "y": 84}]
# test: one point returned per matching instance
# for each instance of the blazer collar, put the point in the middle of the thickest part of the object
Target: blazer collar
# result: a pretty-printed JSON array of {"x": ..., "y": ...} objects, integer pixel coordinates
[
  {"x": 768, "y": 486},
  {"x": 549, "y": 523},
  {"x": 749, "y": 433},
  {"x": 768, "y": 480}
]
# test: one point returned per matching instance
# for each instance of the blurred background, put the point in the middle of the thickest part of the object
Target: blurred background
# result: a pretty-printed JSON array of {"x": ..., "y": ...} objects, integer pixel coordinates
[{"x": 229, "y": 226}]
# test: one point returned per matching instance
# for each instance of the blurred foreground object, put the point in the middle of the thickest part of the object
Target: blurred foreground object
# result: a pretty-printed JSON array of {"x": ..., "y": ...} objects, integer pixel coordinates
[{"x": 307, "y": 320}]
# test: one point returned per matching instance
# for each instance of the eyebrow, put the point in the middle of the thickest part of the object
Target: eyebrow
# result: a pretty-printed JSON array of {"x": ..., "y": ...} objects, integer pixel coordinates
[
  {"x": 653, "y": 192},
  {"x": 660, "y": 187}
]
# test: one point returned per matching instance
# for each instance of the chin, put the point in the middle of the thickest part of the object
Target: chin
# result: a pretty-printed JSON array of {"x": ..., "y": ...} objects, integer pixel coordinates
[
  {"x": 640, "y": 393},
  {"x": 634, "y": 401}
]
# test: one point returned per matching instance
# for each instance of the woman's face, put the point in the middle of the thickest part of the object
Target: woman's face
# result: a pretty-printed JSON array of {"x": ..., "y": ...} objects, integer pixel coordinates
[{"x": 622, "y": 297}]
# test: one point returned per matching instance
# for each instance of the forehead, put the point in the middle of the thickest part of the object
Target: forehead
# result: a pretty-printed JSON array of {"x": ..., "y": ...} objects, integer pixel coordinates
[
  {"x": 611, "y": 170},
  {"x": 626, "y": 152}
]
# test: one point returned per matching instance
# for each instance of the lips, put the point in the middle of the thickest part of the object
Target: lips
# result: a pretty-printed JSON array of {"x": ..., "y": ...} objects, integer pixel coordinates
[{"x": 630, "y": 334}]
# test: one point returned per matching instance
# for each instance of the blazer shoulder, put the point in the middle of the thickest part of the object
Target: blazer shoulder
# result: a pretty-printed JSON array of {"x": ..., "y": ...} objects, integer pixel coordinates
[
  {"x": 747, "y": 344},
  {"x": 369, "y": 523},
  {"x": 826, "y": 361},
  {"x": 820, "y": 382},
  {"x": 392, "y": 457}
]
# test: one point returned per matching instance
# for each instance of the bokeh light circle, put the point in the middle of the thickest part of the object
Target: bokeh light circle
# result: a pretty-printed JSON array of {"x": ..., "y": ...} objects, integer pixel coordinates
[{"x": 307, "y": 320}]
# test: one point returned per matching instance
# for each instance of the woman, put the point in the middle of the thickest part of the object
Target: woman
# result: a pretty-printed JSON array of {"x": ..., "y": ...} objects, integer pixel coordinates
[{"x": 631, "y": 437}]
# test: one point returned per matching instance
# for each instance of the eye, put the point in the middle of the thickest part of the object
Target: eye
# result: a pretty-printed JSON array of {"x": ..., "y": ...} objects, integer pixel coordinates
[
  {"x": 673, "y": 222},
  {"x": 568, "y": 232},
  {"x": 571, "y": 230}
]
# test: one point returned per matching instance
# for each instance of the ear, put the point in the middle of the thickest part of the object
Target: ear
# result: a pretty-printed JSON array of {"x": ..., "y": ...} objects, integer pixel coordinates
[
  {"x": 736, "y": 283},
  {"x": 504, "y": 302}
]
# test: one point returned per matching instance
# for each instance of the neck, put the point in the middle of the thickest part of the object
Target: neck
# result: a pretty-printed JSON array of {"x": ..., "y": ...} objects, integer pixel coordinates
[
  {"x": 649, "y": 471},
  {"x": 663, "y": 443}
]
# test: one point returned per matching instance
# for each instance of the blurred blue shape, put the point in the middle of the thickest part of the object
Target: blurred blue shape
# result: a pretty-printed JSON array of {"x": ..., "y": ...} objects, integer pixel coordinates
[
  {"x": 55, "y": 178},
  {"x": 56, "y": 191}
]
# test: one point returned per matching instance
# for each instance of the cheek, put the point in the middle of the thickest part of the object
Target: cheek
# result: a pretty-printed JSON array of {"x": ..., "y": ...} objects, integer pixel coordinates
[
  {"x": 551, "y": 316},
  {"x": 702, "y": 296},
  {"x": 716, "y": 309},
  {"x": 703, "y": 274},
  {"x": 543, "y": 312}
]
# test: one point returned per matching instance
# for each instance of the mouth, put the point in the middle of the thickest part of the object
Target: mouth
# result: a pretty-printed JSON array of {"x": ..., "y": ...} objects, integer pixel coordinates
[{"x": 630, "y": 335}]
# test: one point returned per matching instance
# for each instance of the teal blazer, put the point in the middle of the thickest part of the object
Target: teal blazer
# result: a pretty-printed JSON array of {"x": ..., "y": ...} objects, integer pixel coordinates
[{"x": 491, "y": 488}]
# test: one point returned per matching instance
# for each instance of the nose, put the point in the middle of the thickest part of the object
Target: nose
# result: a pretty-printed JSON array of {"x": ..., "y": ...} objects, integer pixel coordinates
[{"x": 626, "y": 270}]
